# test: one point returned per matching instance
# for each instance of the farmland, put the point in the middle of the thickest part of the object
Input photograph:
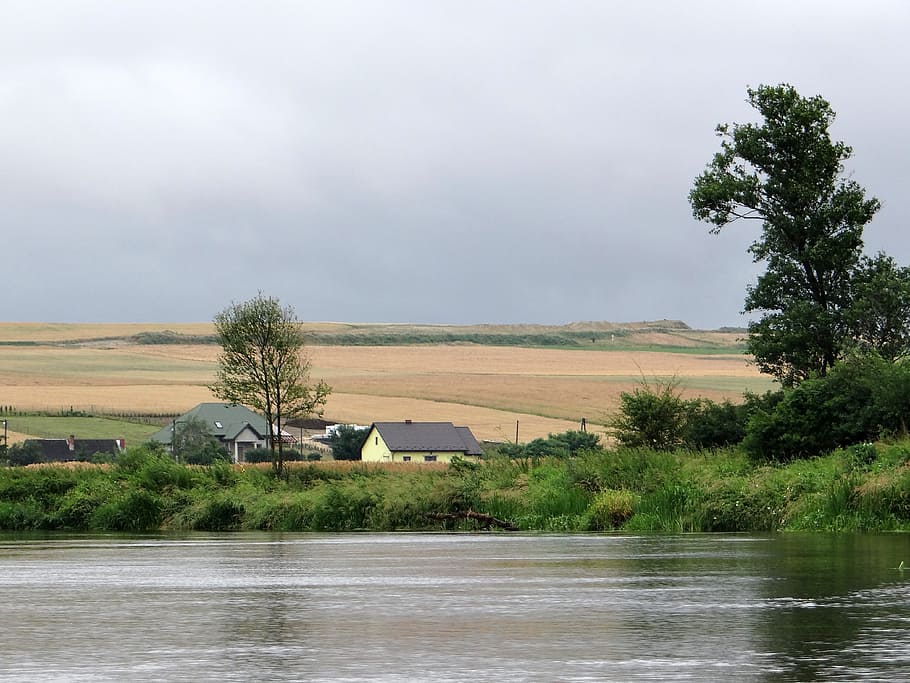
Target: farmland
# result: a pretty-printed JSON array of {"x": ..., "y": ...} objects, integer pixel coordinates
[{"x": 545, "y": 379}]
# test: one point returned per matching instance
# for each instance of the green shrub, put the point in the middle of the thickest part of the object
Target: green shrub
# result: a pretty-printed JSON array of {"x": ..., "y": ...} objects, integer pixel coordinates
[
  {"x": 635, "y": 469},
  {"x": 134, "y": 458},
  {"x": 342, "y": 508},
  {"x": 346, "y": 442},
  {"x": 258, "y": 455},
  {"x": 288, "y": 512},
  {"x": 20, "y": 455},
  {"x": 221, "y": 474},
  {"x": 711, "y": 425},
  {"x": 564, "y": 445},
  {"x": 651, "y": 416},
  {"x": 218, "y": 513},
  {"x": 43, "y": 485},
  {"x": 551, "y": 494},
  {"x": 135, "y": 510},
  {"x": 79, "y": 504},
  {"x": 859, "y": 400},
  {"x": 158, "y": 472},
  {"x": 673, "y": 508},
  {"x": 22, "y": 515},
  {"x": 207, "y": 454},
  {"x": 611, "y": 509}
]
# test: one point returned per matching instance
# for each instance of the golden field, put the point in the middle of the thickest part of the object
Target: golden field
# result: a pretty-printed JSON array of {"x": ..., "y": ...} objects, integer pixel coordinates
[{"x": 488, "y": 388}]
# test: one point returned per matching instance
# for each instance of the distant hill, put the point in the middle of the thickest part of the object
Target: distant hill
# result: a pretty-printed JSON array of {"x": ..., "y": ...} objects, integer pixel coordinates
[{"x": 658, "y": 334}]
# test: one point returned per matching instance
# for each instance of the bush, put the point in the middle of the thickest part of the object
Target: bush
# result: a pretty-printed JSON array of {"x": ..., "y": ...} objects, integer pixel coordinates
[
  {"x": 20, "y": 455},
  {"x": 565, "y": 445},
  {"x": 711, "y": 425},
  {"x": 346, "y": 442},
  {"x": 207, "y": 454},
  {"x": 135, "y": 510},
  {"x": 856, "y": 402},
  {"x": 651, "y": 416},
  {"x": 611, "y": 509},
  {"x": 219, "y": 514},
  {"x": 258, "y": 455},
  {"x": 79, "y": 504}
]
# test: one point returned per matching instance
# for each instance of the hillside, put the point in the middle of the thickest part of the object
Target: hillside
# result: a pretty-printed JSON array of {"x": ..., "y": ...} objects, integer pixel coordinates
[{"x": 660, "y": 334}]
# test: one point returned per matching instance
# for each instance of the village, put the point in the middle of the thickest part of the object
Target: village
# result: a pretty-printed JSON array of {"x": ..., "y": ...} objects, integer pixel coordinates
[{"x": 242, "y": 436}]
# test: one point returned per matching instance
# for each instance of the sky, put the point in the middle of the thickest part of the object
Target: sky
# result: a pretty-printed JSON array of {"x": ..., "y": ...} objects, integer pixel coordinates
[{"x": 452, "y": 162}]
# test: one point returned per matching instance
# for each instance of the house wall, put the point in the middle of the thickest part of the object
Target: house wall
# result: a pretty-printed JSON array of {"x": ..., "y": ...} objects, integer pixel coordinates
[
  {"x": 246, "y": 440},
  {"x": 375, "y": 450},
  {"x": 441, "y": 456}
]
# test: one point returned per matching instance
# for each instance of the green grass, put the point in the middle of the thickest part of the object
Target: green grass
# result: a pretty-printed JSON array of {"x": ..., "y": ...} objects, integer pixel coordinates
[
  {"x": 855, "y": 489},
  {"x": 47, "y": 427}
]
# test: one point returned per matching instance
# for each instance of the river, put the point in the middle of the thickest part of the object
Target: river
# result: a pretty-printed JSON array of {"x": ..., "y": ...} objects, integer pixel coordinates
[{"x": 454, "y": 607}]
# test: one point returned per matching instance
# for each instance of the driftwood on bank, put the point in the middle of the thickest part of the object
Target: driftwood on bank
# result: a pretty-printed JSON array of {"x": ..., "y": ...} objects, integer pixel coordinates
[{"x": 486, "y": 520}]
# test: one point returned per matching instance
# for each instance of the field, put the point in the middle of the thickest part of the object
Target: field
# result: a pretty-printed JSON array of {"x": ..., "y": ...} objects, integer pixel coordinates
[{"x": 558, "y": 376}]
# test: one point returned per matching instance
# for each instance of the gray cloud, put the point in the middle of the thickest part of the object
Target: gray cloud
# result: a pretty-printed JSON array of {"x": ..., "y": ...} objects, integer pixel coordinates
[{"x": 418, "y": 162}]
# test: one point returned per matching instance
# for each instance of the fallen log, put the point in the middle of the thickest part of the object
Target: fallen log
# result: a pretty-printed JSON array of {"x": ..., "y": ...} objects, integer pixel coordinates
[{"x": 486, "y": 520}]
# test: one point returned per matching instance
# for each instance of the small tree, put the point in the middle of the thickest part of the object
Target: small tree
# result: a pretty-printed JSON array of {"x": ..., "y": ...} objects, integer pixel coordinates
[
  {"x": 346, "y": 441},
  {"x": 194, "y": 445},
  {"x": 879, "y": 313},
  {"x": 262, "y": 365}
]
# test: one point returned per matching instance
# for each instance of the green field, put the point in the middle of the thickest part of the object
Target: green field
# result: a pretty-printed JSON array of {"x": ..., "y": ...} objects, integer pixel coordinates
[{"x": 50, "y": 427}]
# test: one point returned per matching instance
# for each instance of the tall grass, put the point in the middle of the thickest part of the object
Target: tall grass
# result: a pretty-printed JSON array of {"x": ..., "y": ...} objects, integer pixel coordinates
[{"x": 632, "y": 490}]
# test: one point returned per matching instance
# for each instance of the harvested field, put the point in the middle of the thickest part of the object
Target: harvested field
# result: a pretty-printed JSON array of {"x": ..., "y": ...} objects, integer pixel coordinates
[
  {"x": 64, "y": 332},
  {"x": 488, "y": 388}
]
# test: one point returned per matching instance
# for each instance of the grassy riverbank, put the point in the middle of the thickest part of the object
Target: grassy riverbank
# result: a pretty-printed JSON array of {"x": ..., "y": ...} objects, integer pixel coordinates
[{"x": 863, "y": 488}]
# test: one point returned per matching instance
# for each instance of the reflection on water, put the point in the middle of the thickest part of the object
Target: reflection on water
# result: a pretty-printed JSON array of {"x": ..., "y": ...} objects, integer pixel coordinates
[{"x": 404, "y": 607}]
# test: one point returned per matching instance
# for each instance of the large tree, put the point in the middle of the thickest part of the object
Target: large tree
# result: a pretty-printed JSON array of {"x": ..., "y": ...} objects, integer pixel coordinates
[
  {"x": 787, "y": 173},
  {"x": 262, "y": 365}
]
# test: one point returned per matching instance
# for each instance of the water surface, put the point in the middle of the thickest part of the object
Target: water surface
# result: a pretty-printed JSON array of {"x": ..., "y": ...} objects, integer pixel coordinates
[{"x": 405, "y": 607}]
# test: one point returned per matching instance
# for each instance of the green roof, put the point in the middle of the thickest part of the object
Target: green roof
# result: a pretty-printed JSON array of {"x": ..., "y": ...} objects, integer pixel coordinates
[{"x": 224, "y": 420}]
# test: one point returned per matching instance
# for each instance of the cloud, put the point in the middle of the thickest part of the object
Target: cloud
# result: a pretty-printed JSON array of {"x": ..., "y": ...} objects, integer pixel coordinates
[{"x": 398, "y": 161}]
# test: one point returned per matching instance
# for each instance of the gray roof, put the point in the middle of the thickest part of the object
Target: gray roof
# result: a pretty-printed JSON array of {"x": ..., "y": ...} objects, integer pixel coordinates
[
  {"x": 64, "y": 450},
  {"x": 225, "y": 421},
  {"x": 427, "y": 436}
]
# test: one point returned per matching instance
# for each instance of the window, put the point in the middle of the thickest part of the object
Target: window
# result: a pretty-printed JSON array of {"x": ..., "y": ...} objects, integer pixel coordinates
[
  {"x": 217, "y": 424},
  {"x": 429, "y": 458},
  {"x": 377, "y": 440},
  {"x": 406, "y": 458}
]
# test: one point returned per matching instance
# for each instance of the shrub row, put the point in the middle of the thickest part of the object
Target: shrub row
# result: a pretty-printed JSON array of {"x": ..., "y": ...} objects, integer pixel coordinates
[{"x": 857, "y": 488}]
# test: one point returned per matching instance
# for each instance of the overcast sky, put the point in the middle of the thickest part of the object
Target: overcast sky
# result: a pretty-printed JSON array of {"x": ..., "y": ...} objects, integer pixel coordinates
[{"x": 434, "y": 162}]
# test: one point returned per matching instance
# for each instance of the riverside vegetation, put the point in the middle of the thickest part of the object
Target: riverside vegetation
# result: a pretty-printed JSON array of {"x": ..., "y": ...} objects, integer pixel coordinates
[{"x": 858, "y": 488}]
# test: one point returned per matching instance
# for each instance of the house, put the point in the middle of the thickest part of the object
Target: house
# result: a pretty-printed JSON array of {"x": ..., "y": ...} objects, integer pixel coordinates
[
  {"x": 236, "y": 427},
  {"x": 71, "y": 449},
  {"x": 418, "y": 442}
]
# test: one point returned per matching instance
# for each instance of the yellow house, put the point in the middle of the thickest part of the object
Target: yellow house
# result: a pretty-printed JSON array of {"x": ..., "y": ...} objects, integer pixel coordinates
[{"x": 418, "y": 442}]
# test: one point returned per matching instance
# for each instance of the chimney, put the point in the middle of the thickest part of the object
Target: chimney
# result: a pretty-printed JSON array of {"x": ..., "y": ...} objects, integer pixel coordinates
[{"x": 71, "y": 442}]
